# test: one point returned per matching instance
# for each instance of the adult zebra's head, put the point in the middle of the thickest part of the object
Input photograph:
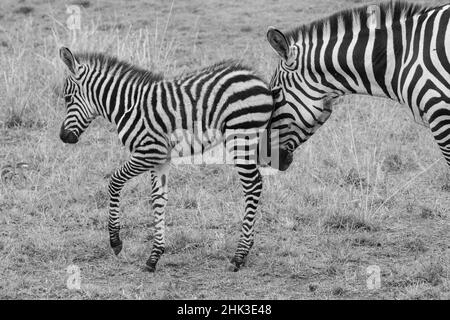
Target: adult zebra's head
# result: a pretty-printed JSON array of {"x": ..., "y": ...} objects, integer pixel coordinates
[
  {"x": 297, "y": 115},
  {"x": 79, "y": 111},
  {"x": 284, "y": 119}
]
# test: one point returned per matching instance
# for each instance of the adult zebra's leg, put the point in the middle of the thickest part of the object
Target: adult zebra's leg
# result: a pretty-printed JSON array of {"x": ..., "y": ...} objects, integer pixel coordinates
[
  {"x": 439, "y": 121},
  {"x": 130, "y": 169},
  {"x": 159, "y": 201},
  {"x": 252, "y": 182}
]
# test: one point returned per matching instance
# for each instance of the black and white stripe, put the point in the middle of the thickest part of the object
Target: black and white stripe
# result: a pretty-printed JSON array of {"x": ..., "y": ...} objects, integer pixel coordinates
[
  {"x": 148, "y": 110},
  {"x": 396, "y": 50}
]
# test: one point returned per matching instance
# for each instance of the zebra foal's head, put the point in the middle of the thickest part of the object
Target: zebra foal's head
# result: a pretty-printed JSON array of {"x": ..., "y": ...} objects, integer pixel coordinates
[{"x": 79, "y": 111}]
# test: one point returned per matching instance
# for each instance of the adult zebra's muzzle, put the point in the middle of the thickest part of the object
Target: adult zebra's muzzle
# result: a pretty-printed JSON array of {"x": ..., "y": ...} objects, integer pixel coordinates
[
  {"x": 67, "y": 136},
  {"x": 275, "y": 156},
  {"x": 286, "y": 159}
]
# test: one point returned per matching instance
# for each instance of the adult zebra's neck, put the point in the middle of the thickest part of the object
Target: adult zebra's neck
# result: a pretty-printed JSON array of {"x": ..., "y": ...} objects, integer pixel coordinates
[
  {"x": 352, "y": 53},
  {"x": 350, "y": 58}
]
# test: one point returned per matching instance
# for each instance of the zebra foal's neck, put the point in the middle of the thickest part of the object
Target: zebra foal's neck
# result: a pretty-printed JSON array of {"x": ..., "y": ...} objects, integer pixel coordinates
[{"x": 113, "y": 86}]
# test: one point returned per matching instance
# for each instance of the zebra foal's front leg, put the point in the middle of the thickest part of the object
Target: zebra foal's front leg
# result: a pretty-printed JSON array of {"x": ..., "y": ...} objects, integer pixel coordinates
[
  {"x": 130, "y": 169},
  {"x": 159, "y": 201},
  {"x": 252, "y": 183}
]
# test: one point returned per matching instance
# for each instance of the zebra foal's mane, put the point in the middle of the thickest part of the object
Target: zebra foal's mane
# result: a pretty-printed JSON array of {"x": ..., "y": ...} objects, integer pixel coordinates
[
  {"x": 105, "y": 64},
  {"x": 395, "y": 9}
]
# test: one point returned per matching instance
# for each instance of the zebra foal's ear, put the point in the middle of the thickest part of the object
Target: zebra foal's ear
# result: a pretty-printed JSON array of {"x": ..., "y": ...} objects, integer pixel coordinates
[
  {"x": 278, "y": 42},
  {"x": 69, "y": 60}
]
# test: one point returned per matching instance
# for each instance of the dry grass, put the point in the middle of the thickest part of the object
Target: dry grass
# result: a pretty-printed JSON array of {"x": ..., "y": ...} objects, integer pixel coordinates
[{"x": 368, "y": 189}]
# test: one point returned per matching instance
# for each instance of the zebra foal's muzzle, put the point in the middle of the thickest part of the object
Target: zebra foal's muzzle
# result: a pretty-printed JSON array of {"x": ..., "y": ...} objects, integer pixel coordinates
[{"x": 67, "y": 136}]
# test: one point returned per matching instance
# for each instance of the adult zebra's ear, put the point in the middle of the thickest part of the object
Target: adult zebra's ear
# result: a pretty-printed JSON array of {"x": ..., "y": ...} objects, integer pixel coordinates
[
  {"x": 278, "y": 42},
  {"x": 69, "y": 60}
]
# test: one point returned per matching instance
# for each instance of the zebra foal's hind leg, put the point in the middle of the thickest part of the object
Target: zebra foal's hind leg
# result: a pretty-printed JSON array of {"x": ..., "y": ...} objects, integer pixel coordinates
[
  {"x": 252, "y": 183},
  {"x": 130, "y": 169},
  {"x": 159, "y": 201}
]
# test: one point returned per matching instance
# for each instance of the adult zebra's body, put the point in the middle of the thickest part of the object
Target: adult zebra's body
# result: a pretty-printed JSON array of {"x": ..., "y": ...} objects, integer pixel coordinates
[
  {"x": 395, "y": 50},
  {"x": 149, "y": 111}
]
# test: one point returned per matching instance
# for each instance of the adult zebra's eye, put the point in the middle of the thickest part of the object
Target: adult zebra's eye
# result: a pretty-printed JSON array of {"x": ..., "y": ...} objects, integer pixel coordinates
[
  {"x": 68, "y": 98},
  {"x": 290, "y": 64}
]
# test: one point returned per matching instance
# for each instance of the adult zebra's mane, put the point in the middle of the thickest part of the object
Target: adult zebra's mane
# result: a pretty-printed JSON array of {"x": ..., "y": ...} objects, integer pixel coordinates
[
  {"x": 106, "y": 64},
  {"x": 394, "y": 9}
]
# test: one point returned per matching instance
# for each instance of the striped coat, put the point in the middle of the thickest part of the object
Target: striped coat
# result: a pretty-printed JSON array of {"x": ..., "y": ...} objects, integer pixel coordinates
[
  {"x": 396, "y": 50},
  {"x": 155, "y": 116}
]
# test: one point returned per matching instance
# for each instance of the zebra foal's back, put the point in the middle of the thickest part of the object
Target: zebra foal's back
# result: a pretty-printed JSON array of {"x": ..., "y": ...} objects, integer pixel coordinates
[{"x": 196, "y": 110}]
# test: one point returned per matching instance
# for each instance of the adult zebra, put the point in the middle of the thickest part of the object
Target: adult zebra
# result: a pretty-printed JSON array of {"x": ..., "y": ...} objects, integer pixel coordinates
[
  {"x": 396, "y": 50},
  {"x": 149, "y": 113}
]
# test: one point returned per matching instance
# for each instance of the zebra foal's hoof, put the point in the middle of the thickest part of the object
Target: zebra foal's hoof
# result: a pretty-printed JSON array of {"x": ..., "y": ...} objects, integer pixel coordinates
[
  {"x": 235, "y": 265},
  {"x": 150, "y": 267},
  {"x": 232, "y": 267},
  {"x": 117, "y": 249}
]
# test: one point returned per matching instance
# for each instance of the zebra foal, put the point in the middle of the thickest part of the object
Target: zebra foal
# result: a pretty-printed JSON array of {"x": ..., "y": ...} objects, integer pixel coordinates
[{"x": 148, "y": 110}]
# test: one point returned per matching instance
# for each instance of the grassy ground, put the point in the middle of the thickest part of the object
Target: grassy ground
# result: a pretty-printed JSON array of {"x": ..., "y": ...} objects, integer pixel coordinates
[{"x": 370, "y": 188}]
